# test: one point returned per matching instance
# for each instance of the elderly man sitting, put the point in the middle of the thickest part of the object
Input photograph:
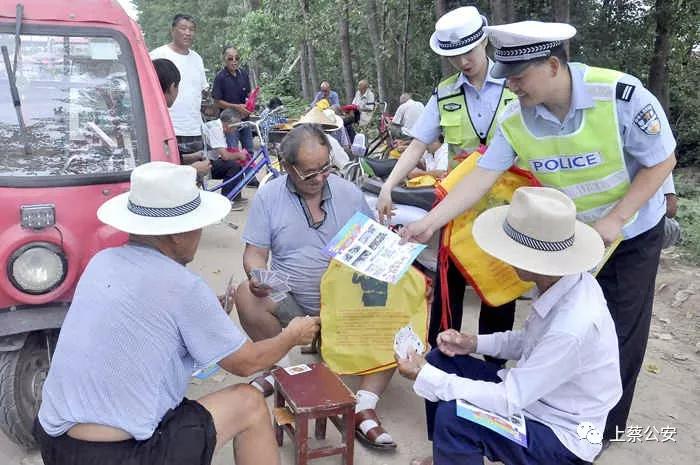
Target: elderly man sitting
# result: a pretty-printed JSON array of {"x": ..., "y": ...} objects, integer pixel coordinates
[
  {"x": 139, "y": 325},
  {"x": 567, "y": 375},
  {"x": 292, "y": 218}
]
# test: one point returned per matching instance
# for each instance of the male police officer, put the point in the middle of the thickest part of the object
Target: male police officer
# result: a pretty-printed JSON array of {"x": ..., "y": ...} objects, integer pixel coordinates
[
  {"x": 464, "y": 108},
  {"x": 603, "y": 139}
]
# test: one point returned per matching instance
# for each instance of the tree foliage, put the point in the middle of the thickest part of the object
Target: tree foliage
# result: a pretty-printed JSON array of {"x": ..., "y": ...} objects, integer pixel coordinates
[{"x": 618, "y": 34}]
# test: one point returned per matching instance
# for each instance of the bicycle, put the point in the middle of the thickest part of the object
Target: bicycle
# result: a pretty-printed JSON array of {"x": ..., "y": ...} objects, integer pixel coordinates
[
  {"x": 384, "y": 137},
  {"x": 255, "y": 163}
]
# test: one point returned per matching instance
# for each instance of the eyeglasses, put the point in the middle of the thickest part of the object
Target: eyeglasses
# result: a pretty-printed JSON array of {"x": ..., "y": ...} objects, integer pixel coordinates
[{"x": 325, "y": 169}]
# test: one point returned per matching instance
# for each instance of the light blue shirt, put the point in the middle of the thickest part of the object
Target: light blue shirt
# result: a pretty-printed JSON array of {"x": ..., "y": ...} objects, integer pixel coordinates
[
  {"x": 482, "y": 104},
  {"x": 277, "y": 221},
  {"x": 640, "y": 149},
  {"x": 332, "y": 98},
  {"x": 139, "y": 325}
]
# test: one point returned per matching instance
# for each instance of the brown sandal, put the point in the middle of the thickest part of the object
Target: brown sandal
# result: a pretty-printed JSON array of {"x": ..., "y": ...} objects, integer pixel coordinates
[
  {"x": 267, "y": 388},
  {"x": 370, "y": 438}
]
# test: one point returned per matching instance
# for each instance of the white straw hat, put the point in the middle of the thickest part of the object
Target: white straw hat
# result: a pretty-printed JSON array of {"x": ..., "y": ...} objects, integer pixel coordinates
[
  {"x": 328, "y": 120},
  {"x": 538, "y": 232},
  {"x": 458, "y": 31},
  {"x": 164, "y": 199}
]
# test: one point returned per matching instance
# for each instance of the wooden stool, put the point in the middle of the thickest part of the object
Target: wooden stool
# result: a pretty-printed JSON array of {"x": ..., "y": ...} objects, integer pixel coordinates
[{"x": 317, "y": 394}]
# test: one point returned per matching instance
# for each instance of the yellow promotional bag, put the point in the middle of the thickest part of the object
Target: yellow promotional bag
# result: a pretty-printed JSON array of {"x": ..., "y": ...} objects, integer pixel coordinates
[
  {"x": 495, "y": 281},
  {"x": 360, "y": 316}
]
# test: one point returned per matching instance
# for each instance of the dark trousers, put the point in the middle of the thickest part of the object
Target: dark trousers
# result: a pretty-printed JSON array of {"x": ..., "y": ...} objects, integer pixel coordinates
[
  {"x": 245, "y": 135},
  {"x": 491, "y": 319},
  {"x": 628, "y": 280},
  {"x": 457, "y": 441},
  {"x": 225, "y": 169}
]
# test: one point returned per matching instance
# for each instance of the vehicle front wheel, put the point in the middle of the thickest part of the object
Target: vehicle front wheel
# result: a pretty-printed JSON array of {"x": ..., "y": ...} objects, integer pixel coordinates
[{"x": 22, "y": 375}]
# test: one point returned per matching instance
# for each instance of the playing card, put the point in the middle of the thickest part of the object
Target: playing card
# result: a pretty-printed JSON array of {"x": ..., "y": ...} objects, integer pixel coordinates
[
  {"x": 407, "y": 341},
  {"x": 278, "y": 296},
  {"x": 297, "y": 369}
]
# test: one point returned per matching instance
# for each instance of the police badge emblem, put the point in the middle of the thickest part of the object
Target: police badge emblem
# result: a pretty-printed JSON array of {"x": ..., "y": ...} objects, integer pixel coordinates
[
  {"x": 648, "y": 121},
  {"x": 451, "y": 106}
]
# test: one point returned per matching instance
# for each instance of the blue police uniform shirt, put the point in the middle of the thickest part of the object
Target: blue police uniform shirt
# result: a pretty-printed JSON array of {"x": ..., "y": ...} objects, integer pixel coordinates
[
  {"x": 642, "y": 147},
  {"x": 482, "y": 104}
]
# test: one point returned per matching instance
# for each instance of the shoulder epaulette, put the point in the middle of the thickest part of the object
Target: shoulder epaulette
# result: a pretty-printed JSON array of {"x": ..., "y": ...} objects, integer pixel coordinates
[{"x": 624, "y": 91}]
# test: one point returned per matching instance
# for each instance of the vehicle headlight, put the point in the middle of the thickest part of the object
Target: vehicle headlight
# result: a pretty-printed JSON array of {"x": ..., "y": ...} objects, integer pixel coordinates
[{"x": 37, "y": 268}]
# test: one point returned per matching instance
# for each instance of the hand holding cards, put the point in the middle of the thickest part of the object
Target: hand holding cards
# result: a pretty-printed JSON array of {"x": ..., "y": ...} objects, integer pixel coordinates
[
  {"x": 406, "y": 341},
  {"x": 276, "y": 281}
]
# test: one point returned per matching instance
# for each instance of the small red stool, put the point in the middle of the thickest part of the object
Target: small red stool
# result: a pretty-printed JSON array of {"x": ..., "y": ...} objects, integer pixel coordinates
[{"x": 314, "y": 395}]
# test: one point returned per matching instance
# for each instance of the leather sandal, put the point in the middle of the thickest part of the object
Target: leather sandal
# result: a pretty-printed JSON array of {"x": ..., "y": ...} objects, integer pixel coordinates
[
  {"x": 267, "y": 388},
  {"x": 370, "y": 438}
]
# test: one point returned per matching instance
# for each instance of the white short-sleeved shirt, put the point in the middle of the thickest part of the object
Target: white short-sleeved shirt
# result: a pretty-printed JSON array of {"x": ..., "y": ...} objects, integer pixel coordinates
[
  {"x": 365, "y": 104},
  {"x": 408, "y": 113},
  {"x": 640, "y": 148},
  {"x": 214, "y": 134},
  {"x": 481, "y": 103},
  {"x": 339, "y": 155},
  {"x": 668, "y": 187},
  {"x": 185, "y": 111},
  {"x": 438, "y": 161}
]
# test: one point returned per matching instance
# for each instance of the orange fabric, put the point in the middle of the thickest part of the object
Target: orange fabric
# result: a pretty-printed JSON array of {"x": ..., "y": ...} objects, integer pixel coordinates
[{"x": 495, "y": 282}]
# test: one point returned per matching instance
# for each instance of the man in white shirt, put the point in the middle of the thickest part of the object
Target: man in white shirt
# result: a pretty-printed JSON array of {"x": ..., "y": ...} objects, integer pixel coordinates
[
  {"x": 364, "y": 99},
  {"x": 225, "y": 162},
  {"x": 185, "y": 111},
  {"x": 672, "y": 229},
  {"x": 567, "y": 375},
  {"x": 435, "y": 160},
  {"x": 406, "y": 115}
]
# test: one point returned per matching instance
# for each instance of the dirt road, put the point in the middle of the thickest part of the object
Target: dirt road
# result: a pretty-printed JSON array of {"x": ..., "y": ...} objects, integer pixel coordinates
[{"x": 667, "y": 398}]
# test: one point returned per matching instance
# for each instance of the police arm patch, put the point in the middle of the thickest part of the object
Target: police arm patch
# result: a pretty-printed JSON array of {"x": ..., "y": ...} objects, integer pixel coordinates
[
  {"x": 624, "y": 91},
  {"x": 648, "y": 121}
]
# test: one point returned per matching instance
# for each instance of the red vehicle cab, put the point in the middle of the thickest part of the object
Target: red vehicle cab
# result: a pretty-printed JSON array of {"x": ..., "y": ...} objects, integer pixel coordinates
[{"x": 80, "y": 107}]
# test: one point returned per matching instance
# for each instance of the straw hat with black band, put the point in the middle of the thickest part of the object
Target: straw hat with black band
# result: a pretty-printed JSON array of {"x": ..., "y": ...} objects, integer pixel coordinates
[
  {"x": 163, "y": 199},
  {"x": 538, "y": 232}
]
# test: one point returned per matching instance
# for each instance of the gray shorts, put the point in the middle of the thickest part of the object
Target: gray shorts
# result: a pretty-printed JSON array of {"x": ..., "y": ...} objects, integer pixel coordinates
[{"x": 288, "y": 309}]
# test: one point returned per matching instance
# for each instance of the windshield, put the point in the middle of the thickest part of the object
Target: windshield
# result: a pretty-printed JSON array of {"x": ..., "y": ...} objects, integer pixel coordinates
[{"x": 76, "y": 101}]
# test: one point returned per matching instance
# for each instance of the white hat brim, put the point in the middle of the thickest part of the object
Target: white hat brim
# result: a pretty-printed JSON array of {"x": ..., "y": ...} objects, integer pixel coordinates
[
  {"x": 114, "y": 212},
  {"x": 586, "y": 252},
  {"x": 452, "y": 53}
]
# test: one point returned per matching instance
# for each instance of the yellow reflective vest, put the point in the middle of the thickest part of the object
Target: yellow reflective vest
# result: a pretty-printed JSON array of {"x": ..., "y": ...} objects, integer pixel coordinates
[
  {"x": 457, "y": 126},
  {"x": 587, "y": 165}
]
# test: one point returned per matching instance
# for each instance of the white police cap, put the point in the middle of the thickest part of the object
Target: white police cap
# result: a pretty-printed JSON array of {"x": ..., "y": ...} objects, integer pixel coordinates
[
  {"x": 458, "y": 31},
  {"x": 517, "y": 44}
]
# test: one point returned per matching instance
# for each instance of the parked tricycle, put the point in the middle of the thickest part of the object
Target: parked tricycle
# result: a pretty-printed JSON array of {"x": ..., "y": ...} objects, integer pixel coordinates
[{"x": 80, "y": 107}]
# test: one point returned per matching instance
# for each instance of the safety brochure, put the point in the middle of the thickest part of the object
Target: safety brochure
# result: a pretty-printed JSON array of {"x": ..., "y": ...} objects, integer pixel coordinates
[
  {"x": 372, "y": 249},
  {"x": 512, "y": 428}
]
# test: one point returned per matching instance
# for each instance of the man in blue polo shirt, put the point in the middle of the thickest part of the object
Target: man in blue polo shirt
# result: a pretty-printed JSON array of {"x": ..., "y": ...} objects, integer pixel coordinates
[{"x": 230, "y": 90}]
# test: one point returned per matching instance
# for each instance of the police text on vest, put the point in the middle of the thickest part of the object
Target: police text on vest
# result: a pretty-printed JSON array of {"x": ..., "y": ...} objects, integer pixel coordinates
[{"x": 571, "y": 162}]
